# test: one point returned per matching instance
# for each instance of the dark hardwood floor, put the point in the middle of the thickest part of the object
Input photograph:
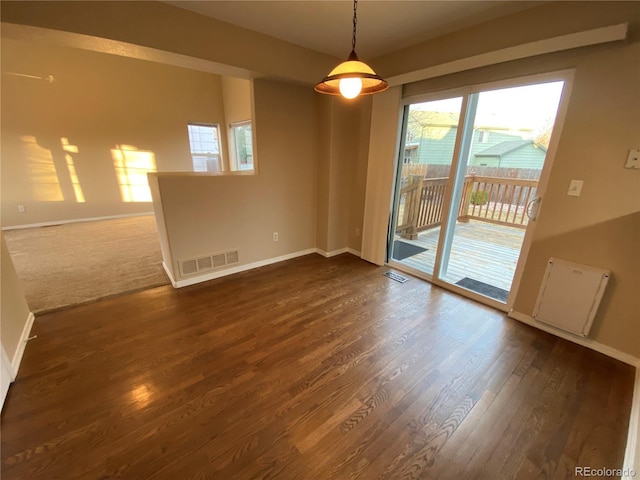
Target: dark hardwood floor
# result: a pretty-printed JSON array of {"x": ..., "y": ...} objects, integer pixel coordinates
[{"x": 310, "y": 369}]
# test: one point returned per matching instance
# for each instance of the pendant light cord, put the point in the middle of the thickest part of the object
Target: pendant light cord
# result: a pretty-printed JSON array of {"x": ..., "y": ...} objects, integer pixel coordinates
[
  {"x": 355, "y": 22},
  {"x": 352, "y": 69}
]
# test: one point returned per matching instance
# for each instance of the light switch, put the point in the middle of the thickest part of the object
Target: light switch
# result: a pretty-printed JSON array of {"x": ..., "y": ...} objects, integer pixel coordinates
[
  {"x": 575, "y": 188},
  {"x": 633, "y": 160}
]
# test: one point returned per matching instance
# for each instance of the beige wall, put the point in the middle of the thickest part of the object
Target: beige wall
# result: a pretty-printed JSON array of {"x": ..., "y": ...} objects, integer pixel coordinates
[
  {"x": 600, "y": 228},
  {"x": 546, "y": 21},
  {"x": 610, "y": 244},
  {"x": 340, "y": 153},
  {"x": 339, "y": 126},
  {"x": 323, "y": 147},
  {"x": 237, "y": 100},
  {"x": 342, "y": 166},
  {"x": 209, "y": 214},
  {"x": 100, "y": 103},
  {"x": 14, "y": 310},
  {"x": 172, "y": 29},
  {"x": 357, "y": 176},
  {"x": 161, "y": 224}
]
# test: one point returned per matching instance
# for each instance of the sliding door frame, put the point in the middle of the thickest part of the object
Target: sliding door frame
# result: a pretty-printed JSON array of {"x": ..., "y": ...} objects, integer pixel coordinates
[
  {"x": 446, "y": 229},
  {"x": 406, "y": 103}
]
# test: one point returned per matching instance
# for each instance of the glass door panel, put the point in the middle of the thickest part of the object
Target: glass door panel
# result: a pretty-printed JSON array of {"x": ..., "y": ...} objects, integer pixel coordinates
[
  {"x": 496, "y": 181},
  {"x": 430, "y": 131}
]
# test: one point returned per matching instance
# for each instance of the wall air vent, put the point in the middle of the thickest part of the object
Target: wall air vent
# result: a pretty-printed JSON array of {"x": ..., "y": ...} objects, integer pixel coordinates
[
  {"x": 232, "y": 257},
  {"x": 219, "y": 260},
  {"x": 189, "y": 267},
  {"x": 207, "y": 263}
]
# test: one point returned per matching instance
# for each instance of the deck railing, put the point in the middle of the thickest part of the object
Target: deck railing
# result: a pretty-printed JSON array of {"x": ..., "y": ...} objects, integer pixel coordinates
[{"x": 489, "y": 199}]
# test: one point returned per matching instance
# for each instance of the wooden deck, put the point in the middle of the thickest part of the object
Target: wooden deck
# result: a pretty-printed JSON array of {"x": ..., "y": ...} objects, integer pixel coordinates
[{"x": 482, "y": 251}]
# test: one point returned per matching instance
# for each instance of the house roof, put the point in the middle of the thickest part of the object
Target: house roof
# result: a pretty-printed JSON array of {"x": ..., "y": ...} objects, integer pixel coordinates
[{"x": 503, "y": 148}]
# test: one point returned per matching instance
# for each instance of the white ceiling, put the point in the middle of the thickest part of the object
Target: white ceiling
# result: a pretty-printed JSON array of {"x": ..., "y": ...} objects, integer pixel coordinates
[{"x": 383, "y": 26}]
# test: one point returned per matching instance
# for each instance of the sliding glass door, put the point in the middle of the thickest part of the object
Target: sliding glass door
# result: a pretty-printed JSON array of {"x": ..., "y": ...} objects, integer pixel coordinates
[
  {"x": 467, "y": 184},
  {"x": 431, "y": 129}
]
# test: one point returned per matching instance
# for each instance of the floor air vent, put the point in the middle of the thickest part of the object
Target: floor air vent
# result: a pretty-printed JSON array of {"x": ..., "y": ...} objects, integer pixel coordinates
[
  {"x": 395, "y": 276},
  {"x": 195, "y": 266}
]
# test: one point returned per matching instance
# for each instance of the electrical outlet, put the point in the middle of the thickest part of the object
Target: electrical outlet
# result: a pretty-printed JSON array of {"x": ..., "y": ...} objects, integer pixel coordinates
[
  {"x": 275, "y": 236},
  {"x": 22, "y": 209},
  {"x": 633, "y": 160},
  {"x": 357, "y": 232}
]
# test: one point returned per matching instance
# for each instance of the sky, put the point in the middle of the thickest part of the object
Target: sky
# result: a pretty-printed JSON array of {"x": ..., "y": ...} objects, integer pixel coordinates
[{"x": 527, "y": 107}]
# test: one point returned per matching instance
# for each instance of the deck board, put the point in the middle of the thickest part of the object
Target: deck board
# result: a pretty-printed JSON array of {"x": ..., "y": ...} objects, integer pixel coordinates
[{"x": 483, "y": 251}]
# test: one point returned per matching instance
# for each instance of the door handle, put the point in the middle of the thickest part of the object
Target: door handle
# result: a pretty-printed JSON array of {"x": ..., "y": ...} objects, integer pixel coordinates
[{"x": 532, "y": 208}]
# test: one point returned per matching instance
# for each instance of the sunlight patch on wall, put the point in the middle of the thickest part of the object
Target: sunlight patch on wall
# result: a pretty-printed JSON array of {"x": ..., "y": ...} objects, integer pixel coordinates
[
  {"x": 42, "y": 171},
  {"x": 71, "y": 168},
  {"x": 131, "y": 166}
]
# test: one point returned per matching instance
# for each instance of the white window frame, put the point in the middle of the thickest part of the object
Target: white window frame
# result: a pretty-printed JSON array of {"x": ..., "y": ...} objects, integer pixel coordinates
[
  {"x": 208, "y": 156},
  {"x": 235, "y": 160}
]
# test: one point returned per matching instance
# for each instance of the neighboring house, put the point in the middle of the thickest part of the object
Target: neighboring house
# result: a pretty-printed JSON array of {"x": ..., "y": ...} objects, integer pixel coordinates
[
  {"x": 511, "y": 153},
  {"x": 410, "y": 153},
  {"x": 489, "y": 148}
]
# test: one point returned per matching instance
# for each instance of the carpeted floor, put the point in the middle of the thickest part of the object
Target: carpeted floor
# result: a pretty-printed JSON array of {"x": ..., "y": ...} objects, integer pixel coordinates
[{"x": 75, "y": 263}]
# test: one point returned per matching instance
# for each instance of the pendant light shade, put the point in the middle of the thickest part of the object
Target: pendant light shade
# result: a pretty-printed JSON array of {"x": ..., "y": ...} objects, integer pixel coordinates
[
  {"x": 352, "y": 77},
  {"x": 350, "y": 74}
]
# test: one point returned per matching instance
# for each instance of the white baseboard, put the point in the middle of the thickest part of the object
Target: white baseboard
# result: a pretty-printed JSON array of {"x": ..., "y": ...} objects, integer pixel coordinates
[
  {"x": 632, "y": 452},
  {"x": 241, "y": 268},
  {"x": 6, "y": 377},
  {"x": 340, "y": 251},
  {"x": 585, "y": 342},
  {"x": 333, "y": 253},
  {"x": 22, "y": 344},
  {"x": 250, "y": 266},
  {"x": 168, "y": 272},
  {"x": 76, "y": 220}
]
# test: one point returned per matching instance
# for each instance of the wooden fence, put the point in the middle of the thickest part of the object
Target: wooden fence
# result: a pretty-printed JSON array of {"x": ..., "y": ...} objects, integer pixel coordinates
[
  {"x": 489, "y": 199},
  {"x": 433, "y": 170}
]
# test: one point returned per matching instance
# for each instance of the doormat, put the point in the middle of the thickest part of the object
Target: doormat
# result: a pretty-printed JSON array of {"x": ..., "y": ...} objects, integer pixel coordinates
[
  {"x": 395, "y": 276},
  {"x": 402, "y": 250},
  {"x": 484, "y": 289}
]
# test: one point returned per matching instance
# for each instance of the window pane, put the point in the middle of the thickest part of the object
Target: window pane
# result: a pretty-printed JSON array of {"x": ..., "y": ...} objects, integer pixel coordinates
[
  {"x": 204, "y": 147},
  {"x": 430, "y": 139},
  {"x": 243, "y": 146},
  {"x": 203, "y": 139},
  {"x": 206, "y": 163}
]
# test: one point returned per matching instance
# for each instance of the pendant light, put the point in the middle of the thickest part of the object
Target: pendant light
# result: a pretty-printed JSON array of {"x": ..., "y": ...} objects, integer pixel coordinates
[{"x": 352, "y": 77}]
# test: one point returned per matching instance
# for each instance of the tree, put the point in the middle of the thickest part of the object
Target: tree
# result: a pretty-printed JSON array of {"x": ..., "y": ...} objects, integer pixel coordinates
[{"x": 542, "y": 135}]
